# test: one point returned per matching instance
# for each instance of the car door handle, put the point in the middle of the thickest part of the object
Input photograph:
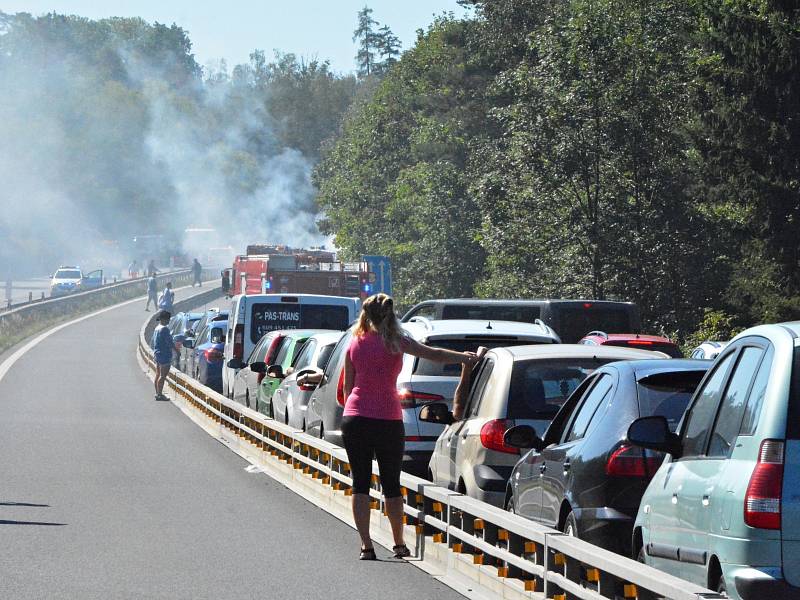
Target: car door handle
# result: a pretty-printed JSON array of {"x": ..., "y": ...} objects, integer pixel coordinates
[
  {"x": 542, "y": 468},
  {"x": 706, "y": 500},
  {"x": 674, "y": 498},
  {"x": 566, "y": 465}
]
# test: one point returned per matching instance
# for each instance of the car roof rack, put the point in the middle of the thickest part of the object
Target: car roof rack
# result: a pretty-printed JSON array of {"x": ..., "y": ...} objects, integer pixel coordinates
[
  {"x": 422, "y": 321},
  {"x": 601, "y": 334}
]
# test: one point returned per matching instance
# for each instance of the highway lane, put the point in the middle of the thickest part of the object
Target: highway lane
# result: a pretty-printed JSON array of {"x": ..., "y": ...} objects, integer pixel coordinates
[{"x": 106, "y": 493}]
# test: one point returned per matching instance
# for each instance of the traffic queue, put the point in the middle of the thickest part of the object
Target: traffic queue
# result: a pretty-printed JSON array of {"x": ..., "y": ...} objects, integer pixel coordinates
[{"x": 571, "y": 417}]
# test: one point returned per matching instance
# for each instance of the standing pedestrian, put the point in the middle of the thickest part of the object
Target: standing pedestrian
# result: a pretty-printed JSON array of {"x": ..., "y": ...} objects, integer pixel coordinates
[
  {"x": 151, "y": 268},
  {"x": 372, "y": 424},
  {"x": 197, "y": 271},
  {"x": 133, "y": 269},
  {"x": 152, "y": 293},
  {"x": 167, "y": 298},
  {"x": 163, "y": 345},
  {"x": 226, "y": 283}
]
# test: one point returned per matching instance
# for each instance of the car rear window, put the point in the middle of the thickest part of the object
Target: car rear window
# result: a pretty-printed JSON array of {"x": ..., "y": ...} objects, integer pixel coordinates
[
  {"x": 522, "y": 314},
  {"x": 574, "y": 322},
  {"x": 539, "y": 387},
  {"x": 268, "y": 317},
  {"x": 667, "y": 394},
  {"x": 470, "y": 344}
]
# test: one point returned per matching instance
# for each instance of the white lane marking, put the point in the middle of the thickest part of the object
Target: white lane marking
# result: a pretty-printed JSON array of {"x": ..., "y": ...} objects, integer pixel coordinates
[{"x": 9, "y": 362}]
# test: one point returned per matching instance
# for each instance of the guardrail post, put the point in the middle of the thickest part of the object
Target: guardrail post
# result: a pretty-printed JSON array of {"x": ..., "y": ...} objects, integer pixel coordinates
[{"x": 30, "y": 296}]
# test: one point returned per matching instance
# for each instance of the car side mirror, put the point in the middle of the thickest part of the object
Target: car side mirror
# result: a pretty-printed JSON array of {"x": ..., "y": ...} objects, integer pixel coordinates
[
  {"x": 653, "y": 433},
  {"x": 258, "y": 367},
  {"x": 436, "y": 412},
  {"x": 188, "y": 343},
  {"x": 523, "y": 436},
  {"x": 275, "y": 371},
  {"x": 235, "y": 363}
]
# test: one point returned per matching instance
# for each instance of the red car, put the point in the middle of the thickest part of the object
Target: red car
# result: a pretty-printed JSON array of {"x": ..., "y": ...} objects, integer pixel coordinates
[{"x": 633, "y": 340}]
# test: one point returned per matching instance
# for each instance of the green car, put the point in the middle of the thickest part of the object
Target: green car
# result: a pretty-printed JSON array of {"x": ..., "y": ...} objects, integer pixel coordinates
[
  {"x": 723, "y": 510},
  {"x": 288, "y": 345}
]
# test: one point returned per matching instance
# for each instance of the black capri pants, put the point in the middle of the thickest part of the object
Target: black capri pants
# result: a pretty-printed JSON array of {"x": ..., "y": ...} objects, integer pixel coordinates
[{"x": 383, "y": 439}]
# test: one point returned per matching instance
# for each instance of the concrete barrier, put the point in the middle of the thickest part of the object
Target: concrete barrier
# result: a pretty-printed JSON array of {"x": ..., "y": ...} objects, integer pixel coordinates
[
  {"x": 477, "y": 549},
  {"x": 18, "y": 323}
]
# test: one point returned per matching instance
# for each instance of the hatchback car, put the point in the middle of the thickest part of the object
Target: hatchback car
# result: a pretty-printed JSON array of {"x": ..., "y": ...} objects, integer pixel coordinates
[
  {"x": 420, "y": 381},
  {"x": 633, "y": 340},
  {"x": 290, "y": 400},
  {"x": 66, "y": 280},
  {"x": 520, "y": 385},
  {"x": 207, "y": 348},
  {"x": 723, "y": 510},
  {"x": 583, "y": 478}
]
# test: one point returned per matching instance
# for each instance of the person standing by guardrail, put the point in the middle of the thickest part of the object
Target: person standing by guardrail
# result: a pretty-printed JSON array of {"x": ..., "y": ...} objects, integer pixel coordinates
[
  {"x": 197, "y": 272},
  {"x": 163, "y": 345},
  {"x": 152, "y": 292},
  {"x": 372, "y": 424},
  {"x": 167, "y": 298}
]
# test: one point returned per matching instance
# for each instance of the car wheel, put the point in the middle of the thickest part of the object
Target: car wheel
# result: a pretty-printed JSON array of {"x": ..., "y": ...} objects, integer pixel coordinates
[
  {"x": 640, "y": 555},
  {"x": 321, "y": 431},
  {"x": 570, "y": 526},
  {"x": 510, "y": 505}
]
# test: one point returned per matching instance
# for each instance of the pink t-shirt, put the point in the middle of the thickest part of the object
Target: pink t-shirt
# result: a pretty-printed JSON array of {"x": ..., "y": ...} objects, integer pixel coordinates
[{"x": 374, "y": 393}]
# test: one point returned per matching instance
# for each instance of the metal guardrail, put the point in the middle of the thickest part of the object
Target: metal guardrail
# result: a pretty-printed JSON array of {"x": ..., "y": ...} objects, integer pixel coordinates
[
  {"x": 501, "y": 553},
  {"x": 23, "y": 320}
]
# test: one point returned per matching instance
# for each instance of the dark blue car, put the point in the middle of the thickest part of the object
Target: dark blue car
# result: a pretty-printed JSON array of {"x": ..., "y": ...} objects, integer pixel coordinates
[{"x": 207, "y": 356}]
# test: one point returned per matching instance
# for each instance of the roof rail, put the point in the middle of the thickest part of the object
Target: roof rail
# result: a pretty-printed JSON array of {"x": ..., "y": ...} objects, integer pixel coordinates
[
  {"x": 601, "y": 334},
  {"x": 421, "y": 320}
]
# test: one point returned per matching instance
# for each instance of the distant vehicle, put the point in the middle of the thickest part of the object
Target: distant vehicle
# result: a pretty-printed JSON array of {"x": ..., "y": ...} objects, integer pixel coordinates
[
  {"x": 67, "y": 280},
  {"x": 583, "y": 478},
  {"x": 708, "y": 350},
  {"x": 208, "y": 356},
  {"x": 656, "y": 343},
  {"x": 723, "y": 510},
  {"x": 181, "y": 328},
  {"x": 420, "y": 381},
  {"x": 571, "y": 319},
  {"x": 523, "y": 385},
  {"x": 280, "y": 269},
  {"x": 290, "y": 400},
  {"x": 253, "y": 316}
]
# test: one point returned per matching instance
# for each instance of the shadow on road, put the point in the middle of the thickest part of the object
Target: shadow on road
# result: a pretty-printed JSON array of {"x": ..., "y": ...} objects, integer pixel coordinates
[
  {"x": 24, "y": 504},
  {"x": 4, "y": 522}
]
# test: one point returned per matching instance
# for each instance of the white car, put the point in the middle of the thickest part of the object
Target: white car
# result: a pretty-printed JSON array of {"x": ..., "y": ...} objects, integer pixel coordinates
[
  {"x": 708, "y": 350},
  {"x": 66, "y": 280}
]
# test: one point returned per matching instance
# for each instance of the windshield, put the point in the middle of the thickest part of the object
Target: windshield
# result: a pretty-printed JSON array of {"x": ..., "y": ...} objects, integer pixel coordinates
[
  {"x": 539, "y": 387},
  {"x": 67, "y": 275},
  {"x": 218, "y": 333},
  {"x": 426, "y": 367},
  {"x": 667, "y": 395},
  {"x": 491, "y": 312}
]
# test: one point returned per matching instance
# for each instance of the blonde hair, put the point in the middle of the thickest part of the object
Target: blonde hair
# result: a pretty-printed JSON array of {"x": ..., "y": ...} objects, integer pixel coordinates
[{"x": 377, "y": 314}]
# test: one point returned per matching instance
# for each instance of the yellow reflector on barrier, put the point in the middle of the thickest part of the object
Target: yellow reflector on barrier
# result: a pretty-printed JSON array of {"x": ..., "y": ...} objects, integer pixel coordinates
[
  {"x": 477, "y": 524},
  {"x": 438, "y": 538},
  {"x": 530, "y": 585},
  {"x": 502, "y": 571},
  {"x": 373, "y": 504},
  {"x": 348, "y": 492},
  {"x": 629, "y": 591},
  {"x": 530, "y": 547},
  {"x": 559, "y": 559},
  {"x": 420, "y": 529},
  {"x": 458, "y": 547},
  {"x": 437, "y": 507},
  {"x": 502, "y": 534},
  {"x": 477, "y": 559},
  {"x": 559, "y": 597},
  {"x": 593, "y": 575},
  {"x": 420, "y": 498}
]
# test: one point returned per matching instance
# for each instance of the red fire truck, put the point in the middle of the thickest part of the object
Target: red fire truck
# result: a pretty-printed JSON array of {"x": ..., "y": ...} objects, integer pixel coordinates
[{"x": 269, "y": 269}]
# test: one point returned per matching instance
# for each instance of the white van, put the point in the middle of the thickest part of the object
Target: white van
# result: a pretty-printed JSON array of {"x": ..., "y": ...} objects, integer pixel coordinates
[{"x": 253, "y": 316}]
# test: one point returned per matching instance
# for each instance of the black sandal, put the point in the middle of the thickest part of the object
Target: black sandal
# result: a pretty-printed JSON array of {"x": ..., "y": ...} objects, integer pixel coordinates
[
  {"x": 367, "y": 554},
  {"x": 401, "y": 551}
]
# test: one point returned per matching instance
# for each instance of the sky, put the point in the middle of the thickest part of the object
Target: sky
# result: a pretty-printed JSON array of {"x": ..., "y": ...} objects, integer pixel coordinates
[{"x": 320, "y": 29}]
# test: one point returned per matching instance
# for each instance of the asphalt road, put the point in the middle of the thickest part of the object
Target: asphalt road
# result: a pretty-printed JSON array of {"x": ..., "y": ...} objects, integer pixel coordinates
[{"x": 106, "y": 493}]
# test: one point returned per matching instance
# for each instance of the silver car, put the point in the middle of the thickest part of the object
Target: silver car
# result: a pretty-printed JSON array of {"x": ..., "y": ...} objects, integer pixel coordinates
[
  {"x": 523, "y": 385},
  {"x": 290, "y": 400}
]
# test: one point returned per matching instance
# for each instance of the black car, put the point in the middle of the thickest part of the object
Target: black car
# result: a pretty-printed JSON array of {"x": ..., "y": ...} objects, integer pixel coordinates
[{"x": 582, "y": 477}]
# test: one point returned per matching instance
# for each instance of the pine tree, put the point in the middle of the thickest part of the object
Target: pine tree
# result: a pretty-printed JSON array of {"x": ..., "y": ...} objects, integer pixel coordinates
[
  {"x": 367, "y": 39},
  {"x": 388, "y": 47}
]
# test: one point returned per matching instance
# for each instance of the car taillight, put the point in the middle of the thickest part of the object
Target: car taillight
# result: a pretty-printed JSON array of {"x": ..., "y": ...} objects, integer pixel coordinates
[
  {"x": 629, "y": 461},
  {"x": 213, "y": 355},
  {"x": 410, "y": 398},
  {"x": 340, "y": 389},
  {"x": 640, "y": 343},
  {"x": 762, "y": 502},
  {"x": 238, "y": 342},
  {"x": 492, "y": 435}
]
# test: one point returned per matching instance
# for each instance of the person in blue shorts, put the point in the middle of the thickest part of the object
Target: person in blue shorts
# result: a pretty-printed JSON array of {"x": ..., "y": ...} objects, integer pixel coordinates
[{"x": 163, "y": 345}]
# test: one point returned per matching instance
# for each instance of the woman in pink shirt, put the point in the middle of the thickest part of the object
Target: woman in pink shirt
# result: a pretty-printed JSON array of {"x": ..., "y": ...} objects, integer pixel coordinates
[{"x": 372, "y": 425}]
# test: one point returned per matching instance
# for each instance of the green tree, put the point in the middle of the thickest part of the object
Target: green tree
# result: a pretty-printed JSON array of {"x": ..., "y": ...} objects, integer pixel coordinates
[{"x": 368, "y": 42}]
